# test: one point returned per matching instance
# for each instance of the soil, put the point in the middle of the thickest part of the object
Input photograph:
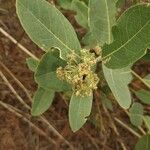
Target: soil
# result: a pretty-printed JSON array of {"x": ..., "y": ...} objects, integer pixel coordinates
[{"x": 16, "y": 134}]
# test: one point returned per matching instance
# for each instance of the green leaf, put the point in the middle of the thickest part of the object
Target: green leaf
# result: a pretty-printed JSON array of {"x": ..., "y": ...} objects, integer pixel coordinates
[
  {"x": 89, "y": 41},
  {"x": 146, "y": 57},
  {"x": 118, "y": 81},
  {"x": 147, "y": 79},
  {"x": 66, "y": 4},
  {"x": 46, "y": 72},
  {"x": 32, "y": 63},
  {"x": 144, "y": 96},
  {"x": 82, "y": 12},
  {"x": 85, "y": 1},
  {"x": 136, "y": 114},
  {"x": 79, "y": 7},
  {"x": 147, "y": 121},
  {"x": 101, "y": 19},
  {"x": 143, "y": 143},
  {"x": 79, "y": 110},
  {"x": 47, "y": 27},
  {"x": 42, "y": 101},
  {"x": 107, "y": 103},
  {"x": 131, "y": 37}
]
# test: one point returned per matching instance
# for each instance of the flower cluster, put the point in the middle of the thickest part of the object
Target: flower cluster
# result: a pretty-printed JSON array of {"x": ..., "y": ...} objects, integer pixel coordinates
[{"x": 80, "y": 74}]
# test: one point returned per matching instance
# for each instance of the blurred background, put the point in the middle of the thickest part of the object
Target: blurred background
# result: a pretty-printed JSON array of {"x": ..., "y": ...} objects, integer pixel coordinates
[{"x": 19, "y": 130}]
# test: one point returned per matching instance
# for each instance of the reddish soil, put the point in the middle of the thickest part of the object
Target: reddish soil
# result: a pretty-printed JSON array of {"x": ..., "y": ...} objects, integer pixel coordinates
[{"x": 16, "y": 134}]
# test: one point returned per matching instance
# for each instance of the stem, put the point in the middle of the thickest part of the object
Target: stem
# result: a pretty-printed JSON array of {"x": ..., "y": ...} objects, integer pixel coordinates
[
  {"x": 113, "y": 126},
  {"x": 91, "y": 138},
  {"x": 127, "y": 127},
  {"x": 17, "y": 81},
  {"x": 37, "y": 129},
  {"x": 99, "y": 59},
  {"x": 140, "y": 128},
  {"x": 51, "y": 128},
  {"x": 99, "y": 112},
  {"x": 141, "y": 79},
  {"x": 18, "y": 44},
  {"x": 13, "y": 91}
]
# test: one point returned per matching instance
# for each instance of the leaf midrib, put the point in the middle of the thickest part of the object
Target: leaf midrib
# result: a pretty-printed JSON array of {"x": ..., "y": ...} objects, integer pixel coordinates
[
  {"x": 78, "y": 113},
  {"x": 45, "y": 26},
  {"x": 111, "y": 74},
  {"x": 108, "y": 22},
  {"x": 147, "y": 141},
  {"x": 127, "y": 41}
]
